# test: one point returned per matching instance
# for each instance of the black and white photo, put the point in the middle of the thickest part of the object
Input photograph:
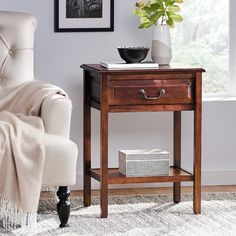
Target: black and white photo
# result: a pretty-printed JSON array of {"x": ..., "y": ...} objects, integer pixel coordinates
[
  {"x": 84, "y": 15},
  {"x": 84, "y": 8}
]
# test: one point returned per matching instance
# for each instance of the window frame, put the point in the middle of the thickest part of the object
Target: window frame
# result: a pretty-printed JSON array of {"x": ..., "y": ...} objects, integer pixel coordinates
[
  {"x": 232, "y": 49},
  {"x": 231, "y": 58}
]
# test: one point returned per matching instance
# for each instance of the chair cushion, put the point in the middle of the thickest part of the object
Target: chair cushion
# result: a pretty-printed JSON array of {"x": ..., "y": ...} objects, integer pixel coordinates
[{"x": 60, "y": 161}]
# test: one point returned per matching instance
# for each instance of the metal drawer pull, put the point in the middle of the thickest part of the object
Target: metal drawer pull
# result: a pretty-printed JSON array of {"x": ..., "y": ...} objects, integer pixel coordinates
[{"x": 143, "y": 92}]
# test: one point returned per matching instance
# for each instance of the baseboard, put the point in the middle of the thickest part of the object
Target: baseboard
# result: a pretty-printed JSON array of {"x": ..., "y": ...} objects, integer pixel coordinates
[{"x": 209, "y": 178}]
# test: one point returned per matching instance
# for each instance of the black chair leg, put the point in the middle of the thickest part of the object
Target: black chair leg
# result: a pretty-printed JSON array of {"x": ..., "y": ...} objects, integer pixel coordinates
[{"x": 63, "y": 206}]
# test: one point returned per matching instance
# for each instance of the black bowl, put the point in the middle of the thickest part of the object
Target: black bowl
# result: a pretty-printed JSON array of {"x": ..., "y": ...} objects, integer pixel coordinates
[{"x": 133, "y": 54}]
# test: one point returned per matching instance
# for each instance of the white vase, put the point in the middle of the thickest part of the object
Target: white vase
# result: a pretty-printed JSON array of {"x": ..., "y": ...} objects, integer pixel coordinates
[{"x": 161, "y": 45}]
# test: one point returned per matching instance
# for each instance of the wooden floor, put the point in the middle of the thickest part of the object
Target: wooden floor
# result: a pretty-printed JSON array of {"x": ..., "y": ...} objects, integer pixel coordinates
[{"x": 137, "y": 191}]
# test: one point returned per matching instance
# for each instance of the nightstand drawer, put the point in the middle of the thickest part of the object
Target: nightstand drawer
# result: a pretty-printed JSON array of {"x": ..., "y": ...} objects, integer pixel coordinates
[{"x": 140, "y": 92}]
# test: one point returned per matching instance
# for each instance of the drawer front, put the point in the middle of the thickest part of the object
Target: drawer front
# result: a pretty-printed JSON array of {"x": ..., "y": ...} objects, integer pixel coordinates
[{"x": 140, "y": 92}]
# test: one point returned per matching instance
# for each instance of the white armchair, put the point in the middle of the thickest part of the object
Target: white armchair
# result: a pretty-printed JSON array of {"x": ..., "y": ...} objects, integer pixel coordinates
[{"x": 16, "y": 66}]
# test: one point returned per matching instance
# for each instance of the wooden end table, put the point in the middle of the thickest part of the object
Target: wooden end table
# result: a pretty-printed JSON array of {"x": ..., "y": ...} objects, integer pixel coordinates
[{"x": 142, "y": 90}]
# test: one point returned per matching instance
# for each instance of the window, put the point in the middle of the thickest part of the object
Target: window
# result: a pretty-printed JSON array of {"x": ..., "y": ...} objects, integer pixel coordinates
[{"x": 202, "y": 39}]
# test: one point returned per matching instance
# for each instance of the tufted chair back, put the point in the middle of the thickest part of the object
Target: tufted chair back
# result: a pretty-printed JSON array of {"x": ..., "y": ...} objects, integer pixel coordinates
[{"x": 16, "y": 50}]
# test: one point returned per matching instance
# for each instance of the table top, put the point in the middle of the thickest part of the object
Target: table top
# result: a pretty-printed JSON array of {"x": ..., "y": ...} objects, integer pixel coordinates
[{"x": 168, "y": 68}]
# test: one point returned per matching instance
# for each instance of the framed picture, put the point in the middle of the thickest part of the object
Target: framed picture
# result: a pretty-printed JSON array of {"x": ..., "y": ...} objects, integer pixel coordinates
[{"x": 83, "y": 15}]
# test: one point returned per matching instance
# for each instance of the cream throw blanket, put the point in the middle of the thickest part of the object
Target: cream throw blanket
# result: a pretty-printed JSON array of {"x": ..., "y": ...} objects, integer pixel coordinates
[{"x": 22, "y": 152}]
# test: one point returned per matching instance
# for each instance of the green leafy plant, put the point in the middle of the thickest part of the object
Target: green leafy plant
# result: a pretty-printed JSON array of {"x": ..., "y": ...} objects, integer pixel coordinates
[{"x": 152, "y": 11}]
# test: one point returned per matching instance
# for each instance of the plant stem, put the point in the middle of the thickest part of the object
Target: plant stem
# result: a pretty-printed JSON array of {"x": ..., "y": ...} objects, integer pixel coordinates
[
  {"x": 164, "y": 16},
  {"x": 162, "y": 20}
]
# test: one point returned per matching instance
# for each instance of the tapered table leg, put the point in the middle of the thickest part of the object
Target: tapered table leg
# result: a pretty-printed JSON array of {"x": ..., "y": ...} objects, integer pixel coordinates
[
  {"x": 177, "y": 154},
  {"x": 104, "y": 150},
  {"x": 87, "y": 141},
  {"x": 197, "y": 146}
]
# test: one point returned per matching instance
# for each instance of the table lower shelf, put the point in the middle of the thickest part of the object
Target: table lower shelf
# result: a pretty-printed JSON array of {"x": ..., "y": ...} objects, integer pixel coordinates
[{"x": 115, "y": 177}]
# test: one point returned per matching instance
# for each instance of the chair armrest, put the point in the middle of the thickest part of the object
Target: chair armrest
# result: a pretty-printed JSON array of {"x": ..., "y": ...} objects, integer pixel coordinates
[{"x": 56, "y": 115}]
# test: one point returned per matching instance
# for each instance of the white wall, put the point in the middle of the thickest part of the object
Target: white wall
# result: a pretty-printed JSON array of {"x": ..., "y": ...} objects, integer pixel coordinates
[{"x": 58, "y": 57}]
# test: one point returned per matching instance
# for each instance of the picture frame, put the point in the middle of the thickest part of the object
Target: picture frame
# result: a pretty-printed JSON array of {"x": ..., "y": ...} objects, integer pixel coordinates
[{"x": 83, "y": 15}]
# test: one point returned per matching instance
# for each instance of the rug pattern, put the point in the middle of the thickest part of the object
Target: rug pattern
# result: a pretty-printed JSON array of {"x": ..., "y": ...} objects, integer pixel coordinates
[{"x": 142, "y": 215}]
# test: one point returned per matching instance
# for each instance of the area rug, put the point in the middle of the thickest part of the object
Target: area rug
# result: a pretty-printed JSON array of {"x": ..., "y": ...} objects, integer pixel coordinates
[{"x": 143, "y": 215}]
